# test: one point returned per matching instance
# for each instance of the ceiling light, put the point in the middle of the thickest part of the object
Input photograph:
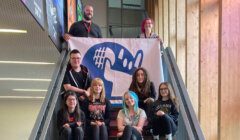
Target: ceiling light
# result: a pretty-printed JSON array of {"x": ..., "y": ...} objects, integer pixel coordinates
[
  {"x": 32, "y": 90},
  {"x": 24, "y": 79},
  {"x": 21, "y": 97},
  {"x": 12, "y": 31},
  {"x": 25, "y": 62}
]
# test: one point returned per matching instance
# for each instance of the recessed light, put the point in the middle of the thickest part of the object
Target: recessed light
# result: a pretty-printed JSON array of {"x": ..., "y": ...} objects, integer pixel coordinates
[
  {"x": 24, "y": 79},
  {"x": 26, "y": 62},
  {"x": 32, "y": 90},
  {"x": 12, "y": 31},
  {"x": 21, "y": 97}
]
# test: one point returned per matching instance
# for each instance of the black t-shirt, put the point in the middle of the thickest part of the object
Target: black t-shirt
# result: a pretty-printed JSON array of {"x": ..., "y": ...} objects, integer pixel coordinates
[
  {"x": 80, "y": 29},
  {"x": 77, "y": 79}
]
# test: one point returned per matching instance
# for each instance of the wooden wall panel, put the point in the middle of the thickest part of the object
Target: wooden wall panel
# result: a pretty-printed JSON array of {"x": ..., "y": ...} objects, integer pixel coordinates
[
  {"x": 209, "y": 66},
  {"x": 192, "y": 81},
  {"x": 165, "y": 23},
  {"x": 160, "y": 18},
  {"x": 230, "y": 70},
  {"x": 172, "y": 25},
  {"x": 181, "y": 37}
]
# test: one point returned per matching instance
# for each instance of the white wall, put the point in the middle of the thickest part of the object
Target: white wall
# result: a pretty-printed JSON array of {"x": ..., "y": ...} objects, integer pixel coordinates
[{"x": 18, "y": 117}]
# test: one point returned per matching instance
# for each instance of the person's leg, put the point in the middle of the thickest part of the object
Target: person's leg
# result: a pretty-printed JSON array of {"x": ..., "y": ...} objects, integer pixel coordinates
[
  {"x": 127, "y": 133},
  {"x": 94, "y": 133},
  {"x": 103, "y": 132},
  {"x": 148, "y": 108},
  {"x": 66, "y": 134},
  {"x": 78, "y": 133},
  {"x": 158, "y": 128},
  {"x": 136, "y": 135},
  {"x": 170, "y": 127}
]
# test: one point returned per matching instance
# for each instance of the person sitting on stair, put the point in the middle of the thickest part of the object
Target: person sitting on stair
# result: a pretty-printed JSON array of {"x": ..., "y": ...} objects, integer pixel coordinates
[
  {"x": 165, "y": 113},
  {"x": 131, "y": 118}
]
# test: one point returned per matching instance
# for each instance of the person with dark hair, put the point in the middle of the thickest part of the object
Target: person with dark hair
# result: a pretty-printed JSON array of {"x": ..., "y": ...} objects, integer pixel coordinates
[
  {"x": 147, "y": 29},
  {"x": 144, "y": 89},
  {"x": 165, "y": 113},
  {"x": 98, "y": 111},
  {"x": 77, "y": 78},
  {"x": 70, "y": 119},
  {"x": 131, "y": 118},
  {"x": 84, "y": 28}
]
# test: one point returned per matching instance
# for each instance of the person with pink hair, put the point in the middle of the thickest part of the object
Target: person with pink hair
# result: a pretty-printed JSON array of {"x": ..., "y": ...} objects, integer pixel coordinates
[{"x": 147, "y": 29}]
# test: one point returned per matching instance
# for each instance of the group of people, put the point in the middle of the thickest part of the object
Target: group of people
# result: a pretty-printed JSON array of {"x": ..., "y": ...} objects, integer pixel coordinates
[{"x": 86, "y": 109}]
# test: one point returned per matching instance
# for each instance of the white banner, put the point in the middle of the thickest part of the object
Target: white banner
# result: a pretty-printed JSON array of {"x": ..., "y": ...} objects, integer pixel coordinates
[{"x": 115, "y": 60}]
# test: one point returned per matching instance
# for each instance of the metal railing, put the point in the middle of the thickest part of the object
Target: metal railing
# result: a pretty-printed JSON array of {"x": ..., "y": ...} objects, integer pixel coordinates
[
  {"x": 189, "y": 126},
  {"x": 44, "y": 116}
]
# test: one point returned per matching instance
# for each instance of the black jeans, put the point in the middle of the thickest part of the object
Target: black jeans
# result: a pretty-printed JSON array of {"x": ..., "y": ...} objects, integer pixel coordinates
[
  {"x": 130, "y": 133},
  {"x": 76, "y": 133},
  {"x": 163, "y": 125},
  {"x": 98, "y": 132}
]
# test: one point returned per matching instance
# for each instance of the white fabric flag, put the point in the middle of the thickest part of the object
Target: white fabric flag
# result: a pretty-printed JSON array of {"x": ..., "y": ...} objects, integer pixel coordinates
[{"x": 114, "y": 60}]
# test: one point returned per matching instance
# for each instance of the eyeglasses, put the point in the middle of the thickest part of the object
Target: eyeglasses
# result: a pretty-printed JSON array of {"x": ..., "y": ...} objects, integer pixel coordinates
[
  {"x": 163, "y": 89},
  {"x": 75, "y": 58}
]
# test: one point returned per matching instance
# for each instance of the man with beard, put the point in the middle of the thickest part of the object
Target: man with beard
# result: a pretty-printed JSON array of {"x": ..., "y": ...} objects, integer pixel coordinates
[{"x": 84, "y": 28}]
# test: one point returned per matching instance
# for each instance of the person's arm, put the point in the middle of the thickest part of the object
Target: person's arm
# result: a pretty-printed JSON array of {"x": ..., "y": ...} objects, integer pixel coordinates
[
  {"x": 153, "y": 91},
  {"x": 99, "y": 32},
  {"x": 107, "y": 113},
  {"x": 141, "y": 121},
  {"x": 59, "y": 119},
  {"x": 120, "y": 121},
  {"x": 75, "y": 89},
  {"x": 174, "y": 113}
]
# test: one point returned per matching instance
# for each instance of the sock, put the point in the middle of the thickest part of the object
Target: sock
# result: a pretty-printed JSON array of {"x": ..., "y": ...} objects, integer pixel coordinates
[
  {"x": 169, "y": 136},
  {"x": 156, "y": 137}
]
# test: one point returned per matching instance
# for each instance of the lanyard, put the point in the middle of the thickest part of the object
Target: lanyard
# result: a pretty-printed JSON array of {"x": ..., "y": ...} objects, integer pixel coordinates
[{"x": 88, "y": 27}]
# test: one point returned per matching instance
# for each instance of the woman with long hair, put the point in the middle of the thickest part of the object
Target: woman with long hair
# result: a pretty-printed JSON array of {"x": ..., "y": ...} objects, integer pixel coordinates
[
  {"x": 70, "y": 119},
  {"x": 165, "y": 113},
  {"x": 131, "y": 118},
  {"x": 98, "y": 111},
  {"x": 145, "y": 91}
]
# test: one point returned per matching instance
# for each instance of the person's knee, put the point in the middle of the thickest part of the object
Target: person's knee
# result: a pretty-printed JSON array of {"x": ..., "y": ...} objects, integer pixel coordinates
[
  {"x": 67, "y": 131},
  {"x": 127, "y": 128},
  {"x": 79, "y": 130}
]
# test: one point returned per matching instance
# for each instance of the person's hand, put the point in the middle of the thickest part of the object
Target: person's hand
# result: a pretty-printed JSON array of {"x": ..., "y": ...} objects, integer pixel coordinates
[
  {"x": 148, "y": 100},
  {"x": 66, "y": 125},
  {"x": 160, "y": 113},
  {"x": 99, "y": 123},
  {"x": 66, "y": 37},
  {"x": 93, "y": 123},
  {"x": 79, "y": 123},
  {"x": 86, "y": 92},
  {"x": 138, "y": 129}
]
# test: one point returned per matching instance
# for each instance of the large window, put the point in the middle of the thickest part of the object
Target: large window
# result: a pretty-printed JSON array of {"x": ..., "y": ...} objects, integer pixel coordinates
[{"x": 124, "y": 18}]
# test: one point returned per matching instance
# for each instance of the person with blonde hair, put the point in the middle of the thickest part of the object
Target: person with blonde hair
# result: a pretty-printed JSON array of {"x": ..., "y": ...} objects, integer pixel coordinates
[
  {"x": 165, "y": 113},
  {"x": 131, "y": 118},
  {"x": 98, "y": 111}
]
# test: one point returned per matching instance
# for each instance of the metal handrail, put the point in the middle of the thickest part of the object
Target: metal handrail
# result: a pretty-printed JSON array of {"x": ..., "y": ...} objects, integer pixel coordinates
[
  {"x": 191, "y": 123},
  {"x": 54, "y": 87}
]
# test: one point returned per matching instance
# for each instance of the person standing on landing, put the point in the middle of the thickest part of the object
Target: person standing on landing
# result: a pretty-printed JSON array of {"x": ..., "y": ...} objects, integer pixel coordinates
[
  {"x": 147, "y": 29},
  {"x": 84, "y": 28}
]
